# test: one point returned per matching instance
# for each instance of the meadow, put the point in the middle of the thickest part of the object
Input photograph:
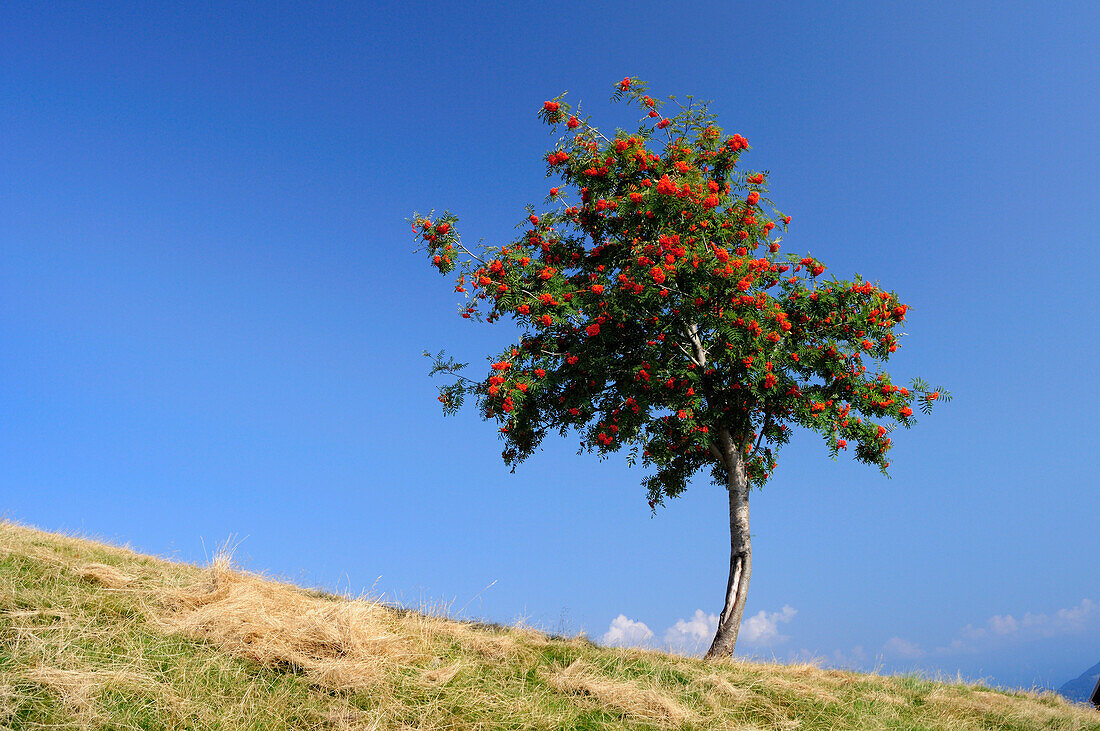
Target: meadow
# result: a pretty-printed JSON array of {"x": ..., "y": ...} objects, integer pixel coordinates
[{"x": 97, "y": 636}]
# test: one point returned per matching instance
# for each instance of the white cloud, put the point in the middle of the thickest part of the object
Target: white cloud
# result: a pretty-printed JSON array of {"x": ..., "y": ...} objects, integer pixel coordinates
[
  {"x": 692, "y": 635},
  {"x": 902, "y": 648},
  {"x": 1003, "y": 625},
  {"x": 854, "y": 659},
  {"x": 763, "y": 627},
  {"x": 1085, "y": 614},
  {"x": 625, "y": 632},
  {"x": 1002, "y": 629},
  {"x": 999, "y": 631}
]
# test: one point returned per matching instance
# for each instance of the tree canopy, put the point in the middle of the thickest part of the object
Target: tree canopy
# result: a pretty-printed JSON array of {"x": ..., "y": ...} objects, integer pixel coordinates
[{"x": 660, "y": 314}]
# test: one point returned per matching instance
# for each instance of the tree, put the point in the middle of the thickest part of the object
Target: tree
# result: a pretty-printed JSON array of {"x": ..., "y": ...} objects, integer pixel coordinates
[{"x": 657, "y": 315}]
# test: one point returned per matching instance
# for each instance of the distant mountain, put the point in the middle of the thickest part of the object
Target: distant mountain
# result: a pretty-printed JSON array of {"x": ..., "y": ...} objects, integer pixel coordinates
[{"x": 1080, "y": 688}]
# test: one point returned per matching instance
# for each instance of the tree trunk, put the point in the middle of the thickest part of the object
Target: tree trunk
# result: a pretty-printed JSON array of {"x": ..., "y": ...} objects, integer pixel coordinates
[{"x": 737, "y": 588}]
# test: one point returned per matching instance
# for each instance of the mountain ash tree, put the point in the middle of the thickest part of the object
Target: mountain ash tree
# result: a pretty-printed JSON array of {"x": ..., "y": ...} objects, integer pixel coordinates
[{"x": 658, "y": 314}]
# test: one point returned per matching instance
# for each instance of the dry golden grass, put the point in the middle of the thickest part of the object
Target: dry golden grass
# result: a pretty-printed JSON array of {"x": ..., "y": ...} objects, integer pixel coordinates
[
  {"x": 104, "y": 575},
  {"x": 94, "y": 636},
  {"x": 630, "y": 698},
  {"x": 336, "y": 644}
]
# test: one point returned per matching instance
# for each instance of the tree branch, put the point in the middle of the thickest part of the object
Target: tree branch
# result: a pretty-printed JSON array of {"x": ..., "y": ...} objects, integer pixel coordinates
[{"x": 692, "y": 331}]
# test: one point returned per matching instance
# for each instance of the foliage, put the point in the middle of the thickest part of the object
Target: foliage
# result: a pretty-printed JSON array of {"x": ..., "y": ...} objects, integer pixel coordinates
[{"x": 659, "y": 314}]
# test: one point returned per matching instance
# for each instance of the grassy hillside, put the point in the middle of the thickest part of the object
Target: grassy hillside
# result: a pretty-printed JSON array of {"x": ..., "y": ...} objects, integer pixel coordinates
[{"x": 94, "y": 636}]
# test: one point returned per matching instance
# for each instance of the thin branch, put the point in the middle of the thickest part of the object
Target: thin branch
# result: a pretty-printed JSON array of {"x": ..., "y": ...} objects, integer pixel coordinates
[{"x": 763, "y": 427}]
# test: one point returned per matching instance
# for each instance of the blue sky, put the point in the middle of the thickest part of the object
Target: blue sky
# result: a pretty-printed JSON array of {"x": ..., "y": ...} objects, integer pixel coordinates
[{"x": 212, "y": 318}]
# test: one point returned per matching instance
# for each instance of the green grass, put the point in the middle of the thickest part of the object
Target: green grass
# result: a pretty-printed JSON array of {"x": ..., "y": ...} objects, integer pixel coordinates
[{"x": 94, "y": 636}]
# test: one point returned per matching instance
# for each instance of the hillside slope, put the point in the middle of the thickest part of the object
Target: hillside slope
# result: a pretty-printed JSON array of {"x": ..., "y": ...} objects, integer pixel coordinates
[
  {"x": 94, "y": 636},
  {"x": 1081, "y": 687}
]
